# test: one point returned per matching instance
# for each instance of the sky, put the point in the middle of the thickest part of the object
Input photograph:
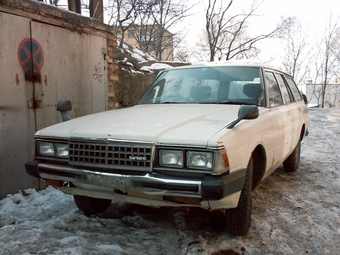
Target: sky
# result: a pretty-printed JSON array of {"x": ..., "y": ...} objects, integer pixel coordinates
[
  {"x": 293, "y": 213},
  {"x": 312, "y": 14}
]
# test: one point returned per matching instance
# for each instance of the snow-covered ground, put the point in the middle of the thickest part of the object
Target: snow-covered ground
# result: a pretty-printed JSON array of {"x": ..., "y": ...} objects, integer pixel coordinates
[{"x": 293, "y": 213}]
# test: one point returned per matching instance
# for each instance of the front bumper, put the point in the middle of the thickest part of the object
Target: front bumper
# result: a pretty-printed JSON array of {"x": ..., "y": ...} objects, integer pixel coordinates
[{"x": 150, "y": 186}]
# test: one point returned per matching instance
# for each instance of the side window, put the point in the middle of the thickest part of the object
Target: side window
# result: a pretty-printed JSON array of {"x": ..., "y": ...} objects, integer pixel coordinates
[
  {"x": 284, "y": 89},
  {"x": 274, "y": 96},
  {"x": 293, "y": 88}
]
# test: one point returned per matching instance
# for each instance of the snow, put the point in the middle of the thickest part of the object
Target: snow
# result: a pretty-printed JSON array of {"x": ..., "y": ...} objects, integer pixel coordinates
[
  {"x": 136, "y": 53},
  {"x": 147, "y": 62},
  {"x": 293, "y": 213},
  {"x": 156, "y": 66}
]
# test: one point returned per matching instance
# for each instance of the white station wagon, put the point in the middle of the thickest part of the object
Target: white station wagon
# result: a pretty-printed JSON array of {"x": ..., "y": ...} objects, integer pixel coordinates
[{"x": 200, "y": 136}]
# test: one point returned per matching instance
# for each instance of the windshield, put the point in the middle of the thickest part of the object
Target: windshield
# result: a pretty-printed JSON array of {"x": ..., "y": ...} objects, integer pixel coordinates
[{"x": 207, "y": 85}]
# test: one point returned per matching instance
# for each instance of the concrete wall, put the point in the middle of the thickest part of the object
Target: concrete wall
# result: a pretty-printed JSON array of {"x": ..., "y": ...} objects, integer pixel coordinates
[
  {"x": 47, "y": 55},
  {"x": 129, "y": 87},
  {"x": 332, "y": 95}
]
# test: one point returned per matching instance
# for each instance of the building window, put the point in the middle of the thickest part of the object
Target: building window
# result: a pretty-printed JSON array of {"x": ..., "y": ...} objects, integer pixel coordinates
[{"x": 131, "y": 34}]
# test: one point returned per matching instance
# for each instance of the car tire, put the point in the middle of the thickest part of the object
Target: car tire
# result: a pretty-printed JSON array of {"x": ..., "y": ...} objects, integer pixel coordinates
[
  {"x": 90, "y": 205},
  {"x": 238, "y": 220},
  {"x": 291, "y": 164}
]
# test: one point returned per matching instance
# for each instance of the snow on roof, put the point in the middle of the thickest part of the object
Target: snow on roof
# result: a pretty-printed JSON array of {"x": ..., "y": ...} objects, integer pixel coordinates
[
  {"x": 145, "y": 61},
  {"x": 137, "y": 54},
  {"x": 156, "y": 66}
]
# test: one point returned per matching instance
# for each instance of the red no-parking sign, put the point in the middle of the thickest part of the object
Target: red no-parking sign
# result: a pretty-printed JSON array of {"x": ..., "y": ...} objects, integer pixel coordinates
[{"x": 30, "y": 55}]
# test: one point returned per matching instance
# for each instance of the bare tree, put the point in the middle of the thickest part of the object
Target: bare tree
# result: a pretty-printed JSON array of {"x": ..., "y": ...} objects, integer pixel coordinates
[
  {"x": 314, "y": 88},
  {"x": 326, "y": 64},
  {"x": 297, "y": 57},
  {"x": 336, "y": 95},
  {"x": 227, "y": 35},
  {"x": 123, "y": 14},
  {"x": 182, "y": 52},
  {"x": 157, "y": 22},
  {"x": 182, "y": 55},
  {"x": 150, "y": 22},
  {"x": 331, "y": 52},
  {"x": 327, "y": 61},
  {"x": 317, "y": 92}
]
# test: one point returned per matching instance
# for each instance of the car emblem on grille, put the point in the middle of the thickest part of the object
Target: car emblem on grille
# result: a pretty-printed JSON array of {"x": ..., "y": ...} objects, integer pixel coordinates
[{"x": 137, "y": 158}]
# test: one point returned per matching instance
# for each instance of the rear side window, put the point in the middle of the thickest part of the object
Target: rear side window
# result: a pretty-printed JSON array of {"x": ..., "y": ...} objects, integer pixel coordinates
[
  {"x": 275, "y": 98},
  {"x": 284, "y": 89},
  {"x": 293, "y": 88}
]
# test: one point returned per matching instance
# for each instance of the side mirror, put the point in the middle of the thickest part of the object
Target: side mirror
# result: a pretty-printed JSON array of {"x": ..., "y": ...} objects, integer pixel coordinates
[
  {"x": 246, "y": 112},
  {"x": 305, "y": 98},
  {"x": 64, "y": 106}
]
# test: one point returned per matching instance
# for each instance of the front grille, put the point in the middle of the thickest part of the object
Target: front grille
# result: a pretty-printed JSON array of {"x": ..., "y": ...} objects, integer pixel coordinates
[{"x": 118, "y": 155}]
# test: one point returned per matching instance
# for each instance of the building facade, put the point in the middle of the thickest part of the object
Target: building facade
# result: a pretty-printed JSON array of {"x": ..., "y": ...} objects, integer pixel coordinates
[{"x": 155, "y": 40}]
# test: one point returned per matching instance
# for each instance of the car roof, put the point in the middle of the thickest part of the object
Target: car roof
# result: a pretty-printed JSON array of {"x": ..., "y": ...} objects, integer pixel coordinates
[{"x": 231, "y": 63}]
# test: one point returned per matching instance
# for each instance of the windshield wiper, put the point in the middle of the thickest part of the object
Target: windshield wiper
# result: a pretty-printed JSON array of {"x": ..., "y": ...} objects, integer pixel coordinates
[
  {"x": 172, "y": 102},
  {"x": 236, "y": 102}
]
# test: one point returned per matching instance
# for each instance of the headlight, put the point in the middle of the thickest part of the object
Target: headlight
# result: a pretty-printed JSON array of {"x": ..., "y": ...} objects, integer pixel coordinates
[
  {"x": 45, "y": 149},
  {"x": 199, "y": 159},
  {"x": 59, "y": 150},
  {"x": 171, "y": 158}
]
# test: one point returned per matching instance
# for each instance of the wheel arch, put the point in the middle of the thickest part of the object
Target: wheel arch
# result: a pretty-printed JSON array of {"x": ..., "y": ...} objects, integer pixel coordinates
[
  {"x": 303, "y": 132},
  {"x": 259, "y": 165}
]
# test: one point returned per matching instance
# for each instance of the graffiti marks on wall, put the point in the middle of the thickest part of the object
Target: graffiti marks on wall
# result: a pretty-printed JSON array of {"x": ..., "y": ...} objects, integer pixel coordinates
[{"x": 97, "y": 72}]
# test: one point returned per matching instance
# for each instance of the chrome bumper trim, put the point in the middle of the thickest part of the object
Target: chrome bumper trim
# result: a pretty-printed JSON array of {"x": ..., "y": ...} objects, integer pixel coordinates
[{"x": 148, "y": 184}]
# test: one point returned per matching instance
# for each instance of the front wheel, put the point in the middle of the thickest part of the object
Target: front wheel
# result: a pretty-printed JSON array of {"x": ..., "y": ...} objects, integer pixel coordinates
[
  {"x": 238, "y": 219},
  {"x": 291, "y": 164},
  {"x": 90, "y": 205}
]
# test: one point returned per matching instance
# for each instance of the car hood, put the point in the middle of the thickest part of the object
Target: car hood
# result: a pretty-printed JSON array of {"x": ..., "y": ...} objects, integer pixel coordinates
[{"x": 192, "y": 124}]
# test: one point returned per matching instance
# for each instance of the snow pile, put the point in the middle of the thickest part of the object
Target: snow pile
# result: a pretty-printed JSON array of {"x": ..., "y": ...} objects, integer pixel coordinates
[
  {"x": 293, "y": 213},
  {"x": 137, "y": 54},
  {"x": 136, "y": 61}
]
